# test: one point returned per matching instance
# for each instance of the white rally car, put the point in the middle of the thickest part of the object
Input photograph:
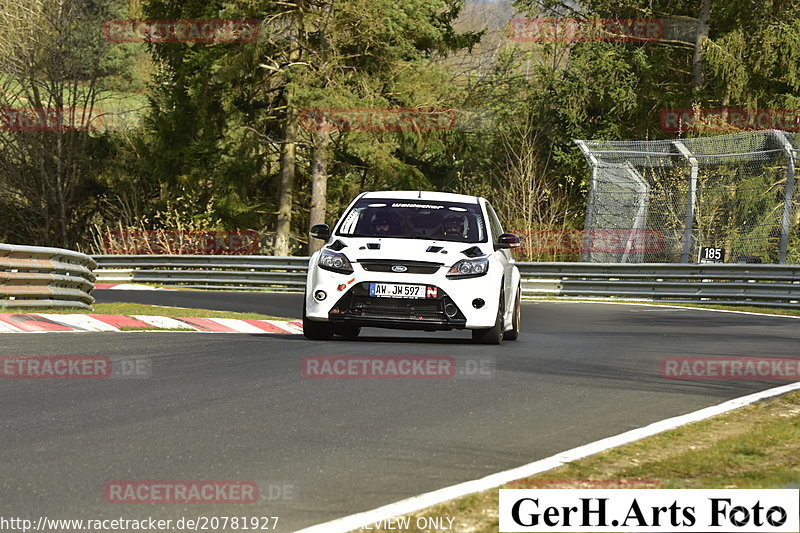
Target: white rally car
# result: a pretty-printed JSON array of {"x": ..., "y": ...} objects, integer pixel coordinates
[{"x": 414, "y": 260}]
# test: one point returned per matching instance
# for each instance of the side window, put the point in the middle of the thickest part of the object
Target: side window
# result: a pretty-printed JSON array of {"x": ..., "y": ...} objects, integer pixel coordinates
[{"x": 494, "y": 223}]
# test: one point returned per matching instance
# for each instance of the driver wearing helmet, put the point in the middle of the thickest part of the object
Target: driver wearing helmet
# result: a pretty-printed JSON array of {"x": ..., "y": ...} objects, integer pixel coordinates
[
  {"x": 453, "y": 226},
  {"x": 381, "y": 225}
]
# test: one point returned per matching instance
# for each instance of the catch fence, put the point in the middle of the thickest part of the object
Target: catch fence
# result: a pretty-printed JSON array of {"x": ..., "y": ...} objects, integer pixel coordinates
[{"x": 732, "y": 194}]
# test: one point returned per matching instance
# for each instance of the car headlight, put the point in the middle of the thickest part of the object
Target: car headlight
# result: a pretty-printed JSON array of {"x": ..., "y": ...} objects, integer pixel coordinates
[
  {"x": 469, "y": 268},
  {"x": 335, "y": 262}
]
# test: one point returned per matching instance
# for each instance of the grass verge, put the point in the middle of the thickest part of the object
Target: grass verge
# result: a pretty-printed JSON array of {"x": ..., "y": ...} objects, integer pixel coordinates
[
  {"x": 142, "y": 309},
  {"x": 757, "y": 446},
  {"x": 743, "y": 308}
]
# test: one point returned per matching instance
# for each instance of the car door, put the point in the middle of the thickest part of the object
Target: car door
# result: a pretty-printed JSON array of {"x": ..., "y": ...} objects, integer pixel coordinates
[{"x": 504, "y": 255}]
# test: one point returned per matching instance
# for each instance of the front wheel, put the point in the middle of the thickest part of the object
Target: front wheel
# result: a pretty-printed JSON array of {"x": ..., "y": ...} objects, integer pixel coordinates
[
  {"x": 316, "y": 331},
  {"x": 493, "y": 335},
  {"x": 513, "y": 333}
]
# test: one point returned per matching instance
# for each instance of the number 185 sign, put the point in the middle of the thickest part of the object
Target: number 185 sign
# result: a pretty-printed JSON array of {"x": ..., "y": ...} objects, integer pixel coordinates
[{"x": 709, "y": 254}]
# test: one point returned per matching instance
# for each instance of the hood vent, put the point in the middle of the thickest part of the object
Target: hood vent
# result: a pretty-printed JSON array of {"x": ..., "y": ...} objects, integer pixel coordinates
[
  {"x": 472, "y": 251},
  {"x": 337, "y": 245},
  {"x": 374, "y": 245},
  {"x": 434, "y": 249}
]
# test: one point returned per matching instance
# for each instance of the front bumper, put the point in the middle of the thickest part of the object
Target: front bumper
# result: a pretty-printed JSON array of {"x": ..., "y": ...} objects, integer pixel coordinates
[
  {"x": 357, "y": 307},
  {"x": 347, "y": 299}
]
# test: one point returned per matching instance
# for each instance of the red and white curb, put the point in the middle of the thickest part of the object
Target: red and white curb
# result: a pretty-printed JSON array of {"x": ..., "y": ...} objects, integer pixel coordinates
[{"x": 47, "y": 322}]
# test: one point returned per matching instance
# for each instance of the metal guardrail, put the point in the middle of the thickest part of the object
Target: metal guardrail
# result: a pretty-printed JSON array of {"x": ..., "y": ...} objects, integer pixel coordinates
[
  {"x": 205, "y": 271},
  {"x": 31, "y": 276},
  {"x": 740, "y": 284},
  {"x": 750, "y": 284}
]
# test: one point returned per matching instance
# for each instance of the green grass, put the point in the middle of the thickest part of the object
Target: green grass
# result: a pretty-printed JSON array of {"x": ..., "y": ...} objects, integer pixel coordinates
[
  {"x": 744, "y": 308},
  {"x": 141, "y": 309},
  {"x": 757, "y": 446}
]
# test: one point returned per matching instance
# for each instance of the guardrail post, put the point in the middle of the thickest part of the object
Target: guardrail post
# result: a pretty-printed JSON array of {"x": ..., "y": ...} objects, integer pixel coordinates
[
  {"x": 788, "y": 191},
  {"x": 689, "y": 226}
]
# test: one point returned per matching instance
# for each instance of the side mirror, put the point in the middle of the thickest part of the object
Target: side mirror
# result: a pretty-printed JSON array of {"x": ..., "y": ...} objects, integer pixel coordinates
[
  {"x": 320, "y": 231},
  {"x": 507, "y": 240}
]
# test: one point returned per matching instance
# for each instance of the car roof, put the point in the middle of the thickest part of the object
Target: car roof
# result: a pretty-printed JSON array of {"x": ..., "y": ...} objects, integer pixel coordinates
[{"x": 424, "y": 195}]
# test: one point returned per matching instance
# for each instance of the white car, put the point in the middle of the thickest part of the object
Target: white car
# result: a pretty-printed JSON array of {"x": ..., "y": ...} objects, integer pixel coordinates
[{"x": 414, "y": 260}]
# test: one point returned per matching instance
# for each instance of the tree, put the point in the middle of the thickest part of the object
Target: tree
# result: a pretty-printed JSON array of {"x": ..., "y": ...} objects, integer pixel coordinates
[
  {"x": 214, "y": 130},
  {"x": 313, "y": 53},
  {"x": 53, "y": 64}
]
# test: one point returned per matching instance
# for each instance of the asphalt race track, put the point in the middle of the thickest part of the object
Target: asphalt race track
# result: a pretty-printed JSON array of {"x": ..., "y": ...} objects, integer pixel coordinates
[{"x": 235, "y": 406}]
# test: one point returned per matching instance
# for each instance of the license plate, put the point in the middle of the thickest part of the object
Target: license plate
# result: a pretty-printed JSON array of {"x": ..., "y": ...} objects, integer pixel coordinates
[{"x": 396, "y": 290}]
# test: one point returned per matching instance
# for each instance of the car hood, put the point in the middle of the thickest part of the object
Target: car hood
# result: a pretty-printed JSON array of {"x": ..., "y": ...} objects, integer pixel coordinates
[{"x": 434, "y": 251}]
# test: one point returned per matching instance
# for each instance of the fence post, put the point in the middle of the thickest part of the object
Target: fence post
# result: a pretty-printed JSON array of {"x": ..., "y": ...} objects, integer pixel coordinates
[
  {"x": 592, "y": 191},
  {"x": 689, "y": 226},
  {"x": 788, "y": 192}
]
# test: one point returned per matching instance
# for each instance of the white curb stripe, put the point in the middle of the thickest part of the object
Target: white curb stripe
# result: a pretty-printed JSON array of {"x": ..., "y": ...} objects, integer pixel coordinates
[
  {"x": 133, "y": 287},
  {"x": 286, "y": 326},
  {"x": 238, "y": 325},
  {"x": 81, "y": 322},
  {"x": 349, "y": 523},
  {"x": 85, "y": 323},
  {"x": 164, "y": 322},
  {"x": 5, "y": 327}
]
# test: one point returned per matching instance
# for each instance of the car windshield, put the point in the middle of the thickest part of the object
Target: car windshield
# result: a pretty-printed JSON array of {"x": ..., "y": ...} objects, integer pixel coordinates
[{"x": 414, "y": 219}]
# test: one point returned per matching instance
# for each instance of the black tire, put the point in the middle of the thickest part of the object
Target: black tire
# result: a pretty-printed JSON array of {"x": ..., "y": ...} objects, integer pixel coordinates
[
  {"x": 493, "y": 335},
  {"x": 347, "y": 331},
  {"x": 513, "y": 333},
  {"x": 316, "y": 331}
]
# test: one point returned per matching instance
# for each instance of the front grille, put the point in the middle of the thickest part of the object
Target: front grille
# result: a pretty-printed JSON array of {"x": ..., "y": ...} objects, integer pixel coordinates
[
  {"x": 412, "y": 267},
  {"x": 357, "y": 305},
  {"x": 367, "y": 306}
]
